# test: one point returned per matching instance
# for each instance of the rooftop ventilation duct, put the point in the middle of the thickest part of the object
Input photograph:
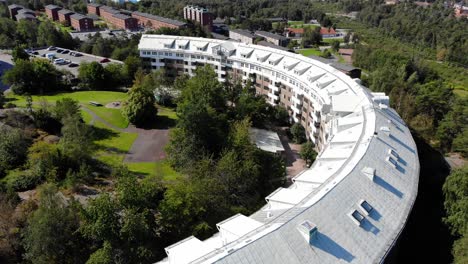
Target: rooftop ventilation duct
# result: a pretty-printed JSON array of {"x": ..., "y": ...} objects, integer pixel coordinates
[
  {"x": 369, "y": 173},
  {"x": 308, "y": 230}
]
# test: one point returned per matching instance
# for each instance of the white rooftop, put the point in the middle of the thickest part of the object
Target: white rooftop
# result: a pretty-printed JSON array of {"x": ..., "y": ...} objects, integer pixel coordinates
[{"x": 266, "y": 140}]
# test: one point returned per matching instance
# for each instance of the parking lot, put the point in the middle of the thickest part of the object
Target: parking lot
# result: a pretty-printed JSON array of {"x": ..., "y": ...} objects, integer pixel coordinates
[{"x": 73, "y": 60}]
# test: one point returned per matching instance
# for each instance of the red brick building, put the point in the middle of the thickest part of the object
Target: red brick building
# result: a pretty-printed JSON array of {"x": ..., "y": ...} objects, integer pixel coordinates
[
  {"x": 107, "y": 13},
  {"x": 124, "y": 22},
  {"x": 81, "y": 23},
  {"x": 14, "y": 10},
  {"x": 64, "y": 16},
  {"x": 52, "y": 12},
  {"x": 94, "y": 9},
  {"x": 156, "y": 22}
]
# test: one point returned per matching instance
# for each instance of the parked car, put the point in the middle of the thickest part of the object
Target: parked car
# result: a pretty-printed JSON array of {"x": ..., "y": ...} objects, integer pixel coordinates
[
  {"x": 51, "y": 48},
  {"x": 67, "y": 61},
  {"x": 104, "y": 60},
  {"x": 59, "y": 50},
  {"x": 59, "y": 61},
  {"x": 65, "y": 51},
  {"x": 35, "y": 53},
  {"x": 76, "y": 54},
  {"x": 73, "y": 65}
]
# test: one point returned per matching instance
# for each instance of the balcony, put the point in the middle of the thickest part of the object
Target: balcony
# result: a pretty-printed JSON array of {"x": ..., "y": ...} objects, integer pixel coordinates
[
  {"x": 296, "y": 110},
  {"x": 297, "y": 101},
  {"x": 274, "y": 88},
  {"x": 315, "y": 115},
  {"x": 273, "y": 96}
]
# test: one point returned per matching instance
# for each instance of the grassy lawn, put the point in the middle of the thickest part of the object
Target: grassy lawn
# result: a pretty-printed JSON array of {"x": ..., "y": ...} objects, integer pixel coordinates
[
  {"x": 112, "y": 145},
  {"x": 308, "y": 52},
  {"x": 160, "y": 168},
  {"x": 87, "y": 117},
  {"x": 330, "y": 40},
  {"x": 113, "y": 116}
]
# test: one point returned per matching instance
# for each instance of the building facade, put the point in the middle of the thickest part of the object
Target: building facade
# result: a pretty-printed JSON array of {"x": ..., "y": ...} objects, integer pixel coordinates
[
  {"x": 52, "y": 12},
  {"x": 81, "y": 23},
  {"x": 242, "y": 35},
  {"x": 199, "y": 15},
  {"x": 64, "y": 16},
  {"x": 276, "y": 39},
  {"x": 354, "y": 201},
  {"x": 14, "y": 10},
  {"x": 93, "y": 8},
  {"x": 156, "y": 22}
]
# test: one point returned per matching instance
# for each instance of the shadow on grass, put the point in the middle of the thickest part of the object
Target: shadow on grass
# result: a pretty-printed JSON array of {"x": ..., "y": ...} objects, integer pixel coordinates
[
  {"x": 159, "y": 122},
  {"x": 99, "y": 133}
]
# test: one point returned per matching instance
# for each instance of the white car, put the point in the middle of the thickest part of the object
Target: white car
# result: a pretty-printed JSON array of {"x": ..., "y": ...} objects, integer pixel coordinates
[{"x": 59, "y": 61}]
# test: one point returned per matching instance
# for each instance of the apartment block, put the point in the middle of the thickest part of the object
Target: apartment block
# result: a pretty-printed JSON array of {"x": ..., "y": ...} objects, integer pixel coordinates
[{"x": 52, "y": 12}]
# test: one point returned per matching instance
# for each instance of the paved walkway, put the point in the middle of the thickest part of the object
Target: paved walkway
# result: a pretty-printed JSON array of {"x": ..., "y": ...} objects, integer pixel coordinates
[
  {"x": 149, "y": 145},
  {"x": 294, "y": 163}
]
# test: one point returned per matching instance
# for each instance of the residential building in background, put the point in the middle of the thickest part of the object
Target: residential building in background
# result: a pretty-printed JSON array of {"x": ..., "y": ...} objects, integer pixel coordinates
[
  {"x": 93, "y": 9},
  {"x": 81, "y": 22},
  {"x": 294, "y": 32},
  {"x": 273, "y": 38},
  {"x": 14, "y": 10},
  {"x": 64, "y": 16},
  {"x": 328, "y": 32},
  {"x": 351, "y": 205},
  {"x": 25, "y": 16},
  {"x": 122, "y": 21},
  {"x": 242, "y": 35},
  {"x": 52, "y": 12},
  {"x": 156, "y": 22},
  {"x": 199, "y": 15}
]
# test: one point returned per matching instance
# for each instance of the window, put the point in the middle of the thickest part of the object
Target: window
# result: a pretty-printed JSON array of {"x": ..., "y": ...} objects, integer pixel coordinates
[{"x": 366, "y": 206}]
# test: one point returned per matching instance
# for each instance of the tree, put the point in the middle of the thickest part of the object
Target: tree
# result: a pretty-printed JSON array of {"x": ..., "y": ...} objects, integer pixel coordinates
[
  {"x": 50, "y": 236},
  {"x": 298, "y": 133},
  {"x": 460, "y": 143},
  {"x": 33, "y": 77},
  {"x": 13, "y": 148},
  {"x": 2, "y": 99},
  {"x": 308, "y": 153},
  {"x": 202, "y": 125},
  {"x": 311, "y": 36},
  {"x": 18, "y": 53},
  {"x": 456, "y": 200},
  {"x": 92, "y": 75},
  {"x": 114, "y": 75},
  {"x": 66, "y": 108},
  {"x": 131, "y": 65},
  {"x": 76, "y": 140},
  {"x": 140, "y": 107},
  {"x": 460, "y": 250},
  {"x": 335, "y": 45}
]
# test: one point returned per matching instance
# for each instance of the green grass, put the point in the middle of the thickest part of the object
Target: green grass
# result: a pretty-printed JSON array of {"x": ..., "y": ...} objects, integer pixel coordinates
[
  {"x": 87, "y": 117},
  {"x": 112, "y": 145},
  {"x": 308, "y": 52},
  {"x": 160, "y": 168},
  {"x": 330, "y": 40},
  {"x": 112, "y": 116}
]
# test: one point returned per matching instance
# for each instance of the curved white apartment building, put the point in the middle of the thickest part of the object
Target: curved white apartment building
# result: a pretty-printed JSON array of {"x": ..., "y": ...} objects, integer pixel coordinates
[{"x": 351, "y": 205}]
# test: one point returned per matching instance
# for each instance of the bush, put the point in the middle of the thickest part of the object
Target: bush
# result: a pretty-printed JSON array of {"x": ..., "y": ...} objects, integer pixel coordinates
[
  {"x": 10, "y": 105},
  {"x": 25, "y": 181},
  {"x": 298, "y": 133}
]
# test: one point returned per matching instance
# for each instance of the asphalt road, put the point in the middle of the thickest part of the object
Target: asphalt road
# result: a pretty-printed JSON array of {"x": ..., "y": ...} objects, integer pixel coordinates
[{"x": 77, "y": 60}]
